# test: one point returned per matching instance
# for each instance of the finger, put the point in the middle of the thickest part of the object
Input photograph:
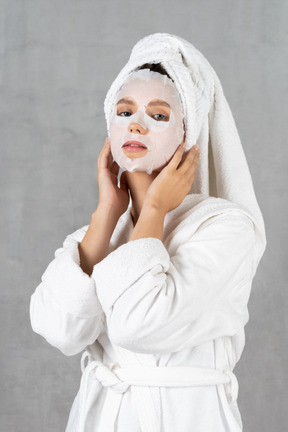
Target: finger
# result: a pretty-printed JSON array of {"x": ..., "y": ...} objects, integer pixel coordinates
[
  {"x": 104, "y": 154},
  {"x": 176, "y": 159},
  {"x": 109, "y": 160},
  {"x": 196, "y": 159},
  {"x": 115, "y": 168},
  {"x": 191, "y": 160},
  {"x": 123, "y": 181},
  {"x": 102, "y": 151}
]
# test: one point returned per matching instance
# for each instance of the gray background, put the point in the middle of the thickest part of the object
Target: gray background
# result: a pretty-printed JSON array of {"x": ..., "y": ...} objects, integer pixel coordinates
[{"x": 57, "y": 61}]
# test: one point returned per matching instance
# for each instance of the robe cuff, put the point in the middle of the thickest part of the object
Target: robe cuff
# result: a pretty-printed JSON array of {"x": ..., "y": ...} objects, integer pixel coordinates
[
  {"x": 72, "y": 288},
  {"x": 119, "y": 270}
]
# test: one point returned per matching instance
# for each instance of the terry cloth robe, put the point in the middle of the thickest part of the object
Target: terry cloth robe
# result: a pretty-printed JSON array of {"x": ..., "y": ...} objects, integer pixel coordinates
[{"x": 180, "y": 303}]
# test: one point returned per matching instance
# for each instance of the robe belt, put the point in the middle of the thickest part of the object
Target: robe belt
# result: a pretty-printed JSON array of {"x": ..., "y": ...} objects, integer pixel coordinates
[{"x": 140, "y": 378}]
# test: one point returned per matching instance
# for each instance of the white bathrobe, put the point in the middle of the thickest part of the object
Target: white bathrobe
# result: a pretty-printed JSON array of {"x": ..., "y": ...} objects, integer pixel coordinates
[{"x": 177, "y": 303}]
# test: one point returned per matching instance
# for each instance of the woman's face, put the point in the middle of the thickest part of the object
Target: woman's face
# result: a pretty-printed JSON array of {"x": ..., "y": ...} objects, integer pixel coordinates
[{"x": 148, "y": 116}]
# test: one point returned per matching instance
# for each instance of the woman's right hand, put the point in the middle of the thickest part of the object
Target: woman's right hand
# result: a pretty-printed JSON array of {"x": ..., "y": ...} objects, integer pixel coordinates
[{"x": 110, "y": 194}]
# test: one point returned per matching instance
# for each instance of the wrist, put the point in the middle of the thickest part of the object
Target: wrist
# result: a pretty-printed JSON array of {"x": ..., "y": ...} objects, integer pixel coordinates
[
  {"x": 106, "y": 211},
  {"x": 149, "y": 224},
  {"x": 105, "y": 217},
  {"x": 149, "y": 207}
]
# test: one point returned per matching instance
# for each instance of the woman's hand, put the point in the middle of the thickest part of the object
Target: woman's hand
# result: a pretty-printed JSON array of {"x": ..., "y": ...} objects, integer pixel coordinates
[
  {"x": 110, "y": 194},
  {"x": 174, "y": 182}
]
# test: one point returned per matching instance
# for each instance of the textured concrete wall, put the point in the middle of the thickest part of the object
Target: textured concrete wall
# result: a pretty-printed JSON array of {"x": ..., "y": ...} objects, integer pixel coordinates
[{"x": 57, "y": 61}]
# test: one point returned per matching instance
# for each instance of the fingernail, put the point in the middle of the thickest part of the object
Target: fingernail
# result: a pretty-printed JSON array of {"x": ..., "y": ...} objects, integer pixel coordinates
[{"x": 197, "y": 148}]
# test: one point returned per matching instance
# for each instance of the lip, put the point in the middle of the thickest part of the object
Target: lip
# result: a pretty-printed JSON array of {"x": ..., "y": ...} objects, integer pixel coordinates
[{"x": 127, "y": 143}]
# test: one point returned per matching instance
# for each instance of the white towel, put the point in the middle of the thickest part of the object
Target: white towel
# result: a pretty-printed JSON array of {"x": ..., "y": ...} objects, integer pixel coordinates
[{"x": 222, "y": 169}]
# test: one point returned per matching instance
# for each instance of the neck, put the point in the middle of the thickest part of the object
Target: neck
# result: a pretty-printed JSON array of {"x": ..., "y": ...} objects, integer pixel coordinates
[{"x": 138, "y": 183}]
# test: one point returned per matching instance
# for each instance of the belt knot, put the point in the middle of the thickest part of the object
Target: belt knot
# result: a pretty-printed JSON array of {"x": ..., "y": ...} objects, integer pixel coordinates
[{"x": 103, "y": 374}]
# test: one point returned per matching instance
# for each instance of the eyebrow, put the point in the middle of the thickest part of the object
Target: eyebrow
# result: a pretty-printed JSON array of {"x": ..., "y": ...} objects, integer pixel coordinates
[
  {"x": 156, "y": 102},
  {"x": 126, "y": 101}
]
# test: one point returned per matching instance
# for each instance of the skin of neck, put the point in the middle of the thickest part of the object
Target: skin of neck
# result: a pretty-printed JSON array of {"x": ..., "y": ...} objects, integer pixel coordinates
[{"x": 138, "y": 183}]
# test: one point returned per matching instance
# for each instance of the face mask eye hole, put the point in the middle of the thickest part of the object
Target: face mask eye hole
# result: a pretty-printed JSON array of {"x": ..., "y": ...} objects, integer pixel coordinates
[
  {"x": 160, "y": 117},
  {"x": 124, "y": 114}
]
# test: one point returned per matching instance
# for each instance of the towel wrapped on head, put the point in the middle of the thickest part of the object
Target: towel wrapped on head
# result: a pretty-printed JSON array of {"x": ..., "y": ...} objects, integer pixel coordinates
[{"x": 222, "y": 170}]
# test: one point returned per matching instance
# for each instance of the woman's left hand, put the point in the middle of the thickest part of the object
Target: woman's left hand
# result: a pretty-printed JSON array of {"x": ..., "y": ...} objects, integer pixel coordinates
[{"x": 174, "y": 182}]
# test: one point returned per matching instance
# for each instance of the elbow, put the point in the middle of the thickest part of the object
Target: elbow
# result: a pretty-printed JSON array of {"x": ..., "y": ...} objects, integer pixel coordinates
[
  {"x": 66, "y": 332},
  {"x": 68, "y": 342},
  {"x": 54, "y": 334},
  {"x": 65, "y": 345}
]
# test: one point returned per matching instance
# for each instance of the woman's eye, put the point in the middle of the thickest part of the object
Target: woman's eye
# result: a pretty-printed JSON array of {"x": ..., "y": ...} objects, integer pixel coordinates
[
  {"x": 162, "y": 117},
  {"x": 123, "y": 114}
]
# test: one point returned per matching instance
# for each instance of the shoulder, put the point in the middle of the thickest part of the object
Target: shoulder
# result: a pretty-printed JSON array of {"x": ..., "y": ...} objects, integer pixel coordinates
[
  {"x": 221, "y": 211},
  {"x": 217, "y": 228},
  {"x": 210, "y": 209},
  {"x": 214, "y": 216},
  {"x": 234, "y": 224},
  {"x": 210, "y": 204}
]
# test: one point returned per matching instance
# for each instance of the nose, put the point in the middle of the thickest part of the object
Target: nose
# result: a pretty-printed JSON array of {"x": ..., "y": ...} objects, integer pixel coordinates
[{"x": 136, "y": 128}]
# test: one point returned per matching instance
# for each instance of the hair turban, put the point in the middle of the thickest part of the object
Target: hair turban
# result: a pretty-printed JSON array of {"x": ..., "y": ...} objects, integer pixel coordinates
[{"x": 222, "y": 169}]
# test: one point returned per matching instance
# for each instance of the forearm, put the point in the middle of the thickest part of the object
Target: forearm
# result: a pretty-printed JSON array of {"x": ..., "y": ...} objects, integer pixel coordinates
[
  {"x": 95, "y": 244},
  {"x": 149, "y": 224}
]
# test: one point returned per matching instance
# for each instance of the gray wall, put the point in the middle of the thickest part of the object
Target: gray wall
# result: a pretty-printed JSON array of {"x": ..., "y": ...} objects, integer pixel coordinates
[{"x": 57, "y": 61}]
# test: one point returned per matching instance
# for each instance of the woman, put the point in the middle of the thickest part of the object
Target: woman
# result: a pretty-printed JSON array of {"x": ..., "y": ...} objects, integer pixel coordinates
[{"x": 155, "y": 289}]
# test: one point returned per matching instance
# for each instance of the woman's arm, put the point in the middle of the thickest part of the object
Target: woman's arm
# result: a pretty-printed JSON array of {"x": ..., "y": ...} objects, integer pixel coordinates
[
  {"x": 149, "y": 224},
  {"x": 64, "y": 308},
  {"x": 113, "y": 202},
  {"x": 162, "y": 303},
  {"x": 94, "y": 246},
  {"x": 166, "y": 192},
  {"x": 157, "y": 303}
]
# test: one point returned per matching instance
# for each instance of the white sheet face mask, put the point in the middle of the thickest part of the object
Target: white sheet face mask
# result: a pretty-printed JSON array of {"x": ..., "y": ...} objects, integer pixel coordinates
[{"x": 147, "y": 112}]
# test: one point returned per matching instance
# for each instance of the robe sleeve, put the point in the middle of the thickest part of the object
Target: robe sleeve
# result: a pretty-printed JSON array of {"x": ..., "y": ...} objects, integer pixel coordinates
[
  {"x": 159, "y": 303},
  {"x": 64, "y": 308}
]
